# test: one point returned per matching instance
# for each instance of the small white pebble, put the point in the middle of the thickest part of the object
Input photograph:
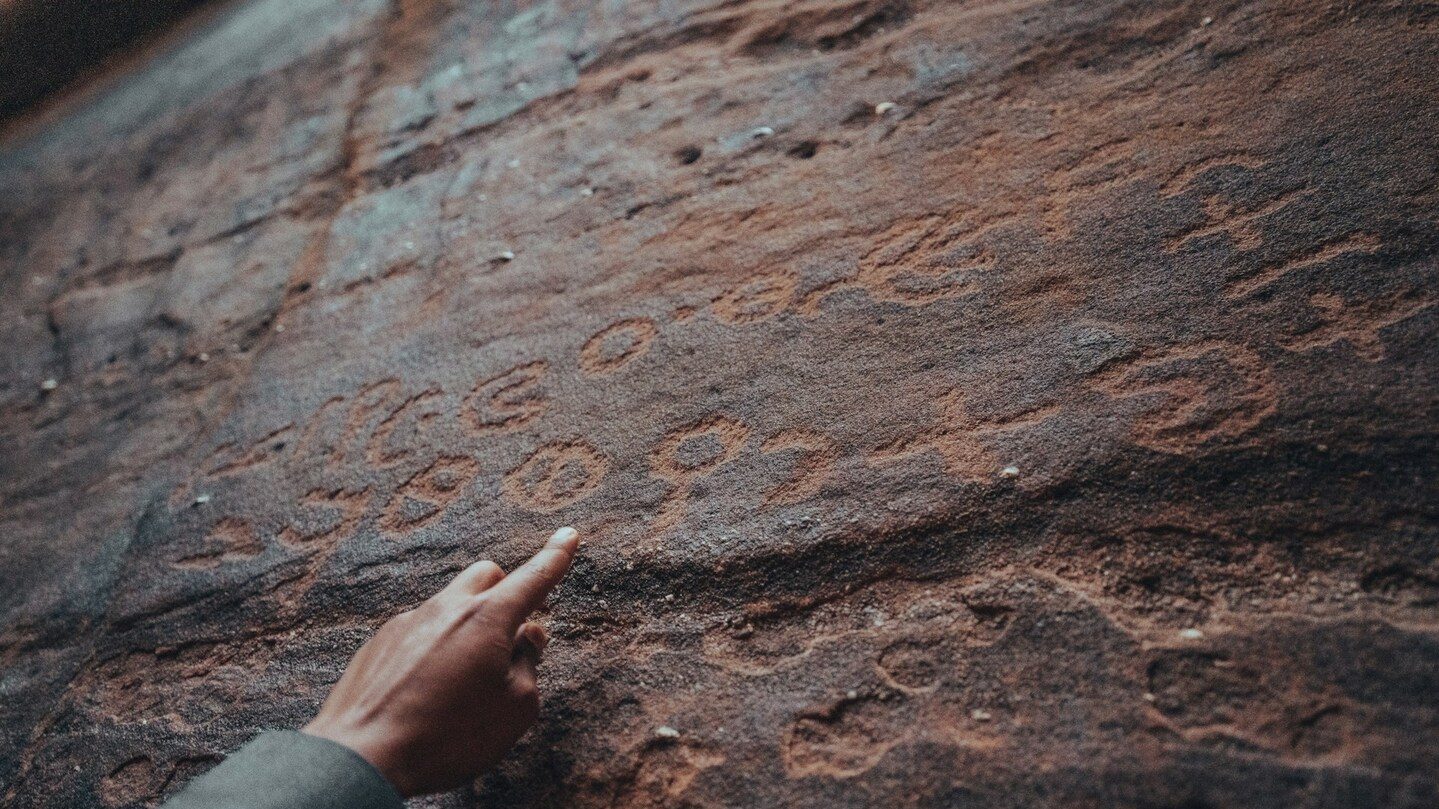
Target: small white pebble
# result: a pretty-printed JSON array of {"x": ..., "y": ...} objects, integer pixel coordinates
[
  {"x": 667, "y": 732},
  {"x": 279, "y": 327},
  {"x": 1191, "y": 634},
  {"x": 1148, "y": 697},
  {"x": 202, "y": 499},
  {"x": 1206, "y": 21},
  {"x": 629, "y": 566},
  {"x": 50, "y": 384},
  {"x": 204, "y": 357},
  {"x": 595, "y": 589},
  {"x": 670, "y": 597},
  {"x": 1009, "y": 472},
  {"x": 851, "y": 694},
  {"x": 762, "y": 132},
  {"x": 604, "y": 603},
  {"x": 514, "y": 163},
  {"x": 981, "y": 715},
  {"x": 587, "y": 192},
  {"x": 883, "y": 107},
  {"x": 506, "y": 255}
]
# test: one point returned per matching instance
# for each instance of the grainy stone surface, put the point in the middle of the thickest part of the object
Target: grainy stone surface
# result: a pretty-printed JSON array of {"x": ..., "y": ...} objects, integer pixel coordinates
[{"x": 982, "y": 404}]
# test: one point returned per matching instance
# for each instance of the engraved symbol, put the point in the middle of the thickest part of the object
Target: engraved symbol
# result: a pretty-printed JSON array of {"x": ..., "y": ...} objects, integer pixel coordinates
[
  {"x": 1074, "y": 185},
  {"x": 1181, "y": 180},
  {"x": 955, "y": 437},
  {"x": 424, "y": 497},
  {"x": 1359, "y": 325},
  {"x": 556, "y": 475},
  {"x": 509, "y": 401},
  {"x": 757, "y": 299},
  {"x": 380, "y": 451},
  {"x": 228, "y": 459},
  {"x": 689, "y": 453},
  {"x": 815, "y": 459},
  {"x": 368, "y": 405},
  {"x": 326, "y": 518},
  {"x": 1357, "y": 243},
  {"x": 915, "y": 263},
  {"x": 1241, "y": 226},
  {"x": 1193, "y": 394},
  {"x": 307, "y": 443},
  {"x": 617, "y": 345},
  {"x": 840, "y": 741},
  {"x": 259, "y": 453}
]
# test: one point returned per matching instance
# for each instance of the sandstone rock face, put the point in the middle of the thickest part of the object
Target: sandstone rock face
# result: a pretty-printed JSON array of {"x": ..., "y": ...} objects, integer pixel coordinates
[{"x": 967, "y": 404}]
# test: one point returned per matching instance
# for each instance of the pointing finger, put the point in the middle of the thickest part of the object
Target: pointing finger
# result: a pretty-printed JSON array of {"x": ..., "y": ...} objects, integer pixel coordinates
[
  {"x": 475, "y": 579},
  {"x": 523, "y": 591}
]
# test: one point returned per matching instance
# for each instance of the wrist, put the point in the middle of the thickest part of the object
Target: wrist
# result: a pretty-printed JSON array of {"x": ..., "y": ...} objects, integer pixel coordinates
[{"x": 357, "y": 742}]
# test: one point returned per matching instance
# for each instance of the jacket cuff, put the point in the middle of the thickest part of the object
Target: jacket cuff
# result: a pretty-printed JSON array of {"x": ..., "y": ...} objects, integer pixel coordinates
[{"x": 290, "y": 770}]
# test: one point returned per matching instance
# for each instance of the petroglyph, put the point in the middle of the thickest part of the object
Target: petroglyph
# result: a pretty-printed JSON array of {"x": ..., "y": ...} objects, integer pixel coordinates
[
  {"x": 382, "y": 450},
  {"x": 1358, "y": 243},
  {"x": 368, "y": 406},
  {"x": 617, "y": 345},
  {"x": 556, "y": 475},
  {"x": 914, "y": 664},
  {"x": 812, "y": 465},
  {"x": 1184, "y": 178},
  {"x": 508, "y": 401},
  {"x": 424, "y": 497},
  {"x": 1359, "y": 324},
  {"x": 231, "y": 540},
  {"x": 664, "y": 772},
  {"x": 1241, "y": 226},
  {"x": 309, "y": 442},
  {"x": 325, "y": 518},
  {"x": 757, "y": 299},
  {"x": 914, "y": 263},
  {"x": 258, "y": 453},
  {"x": 841, "y": 741},
  {"x": 689, "y": 453},
  {"x": 1070, "y": 187},
  {"x": 956, "y": 437},
  {"x": 1192, "y": 394}
]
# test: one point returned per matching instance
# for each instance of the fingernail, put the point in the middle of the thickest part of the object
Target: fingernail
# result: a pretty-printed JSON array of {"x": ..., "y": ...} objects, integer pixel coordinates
[{"x": 565, "y": 536}]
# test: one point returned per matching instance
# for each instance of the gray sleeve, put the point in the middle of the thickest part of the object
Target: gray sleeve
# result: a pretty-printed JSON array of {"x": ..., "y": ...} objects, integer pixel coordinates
[{"x": 290, "y": 770}]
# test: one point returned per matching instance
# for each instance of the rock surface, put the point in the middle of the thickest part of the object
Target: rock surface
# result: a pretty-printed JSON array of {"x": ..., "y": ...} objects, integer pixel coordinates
[{"x": 982, "y": 404}]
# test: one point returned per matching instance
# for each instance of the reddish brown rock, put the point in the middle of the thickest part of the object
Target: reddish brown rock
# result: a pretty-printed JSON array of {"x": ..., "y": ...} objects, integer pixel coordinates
[{"x": 994, "y": 404}]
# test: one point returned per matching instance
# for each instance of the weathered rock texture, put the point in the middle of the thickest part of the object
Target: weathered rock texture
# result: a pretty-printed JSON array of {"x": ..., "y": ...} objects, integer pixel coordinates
[{"x": 341, "y": 296}]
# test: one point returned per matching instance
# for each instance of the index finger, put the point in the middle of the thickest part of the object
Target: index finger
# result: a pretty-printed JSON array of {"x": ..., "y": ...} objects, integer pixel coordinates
[{"x": 523, "y": 591}]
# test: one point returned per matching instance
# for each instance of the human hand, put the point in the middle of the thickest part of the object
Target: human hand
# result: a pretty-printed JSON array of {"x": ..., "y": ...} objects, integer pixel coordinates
[{"x": 442, "y": 692}]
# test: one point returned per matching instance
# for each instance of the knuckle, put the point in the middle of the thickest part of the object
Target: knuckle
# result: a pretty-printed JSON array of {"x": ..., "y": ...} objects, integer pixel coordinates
[
  {"x": 471, "y": 611},
  {"x": 527, "y": 695},
  {"x": 479, "y": 605}
]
